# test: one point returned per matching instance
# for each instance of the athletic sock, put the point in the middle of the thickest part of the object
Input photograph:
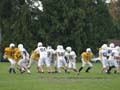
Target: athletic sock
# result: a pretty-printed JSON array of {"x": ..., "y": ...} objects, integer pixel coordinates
[
  {"x": 14, "y": 70},
  {"x": 80, "y": 69},
  {"x": 75, "y": 70},
  {"x": 65, "y": 70},
  {"x": 10, "y": 70},
  {"x": 110, "y": 68},
  {"x": 87, "y": 70}
]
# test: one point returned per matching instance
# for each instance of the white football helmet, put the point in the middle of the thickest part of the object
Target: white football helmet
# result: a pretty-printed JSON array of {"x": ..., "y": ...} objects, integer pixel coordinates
[
  {"x": 61, "y": 47},
  {"x": 40, "y": 44},
  {"x": 88, "y": 50},
  {"x": 104, "y": 46},
  {"x": 112, "y": 45},
  {"x": 73, "y": 53},
  {"x": 68, "y": 49},
  {"x": 49, "y": 47},
  {"x": 12, "y": 45},
  {"x": 58, "y": 46},
  {"x": 20, "y": 46},
  {"x": 117, "y": 48}
]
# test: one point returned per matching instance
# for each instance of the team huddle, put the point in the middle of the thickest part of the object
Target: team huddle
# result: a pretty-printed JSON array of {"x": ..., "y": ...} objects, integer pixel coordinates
[{"x": 62, "y": 58}]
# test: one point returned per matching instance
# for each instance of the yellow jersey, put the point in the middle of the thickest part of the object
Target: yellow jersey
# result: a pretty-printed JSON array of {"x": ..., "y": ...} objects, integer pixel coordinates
[
  {"x": 55, "y": 56},
  {"x": 18, "y": 55},
  {"x": 9, "y": 52},
  {"x": 100, "y": 56},
  {"x": 35, "y": 56},
  {"x": 87, "y": 56}
]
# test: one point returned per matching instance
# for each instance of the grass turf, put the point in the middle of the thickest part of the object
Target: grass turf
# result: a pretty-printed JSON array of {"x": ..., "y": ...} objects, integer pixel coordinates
[{"x": 63, "y": 81}]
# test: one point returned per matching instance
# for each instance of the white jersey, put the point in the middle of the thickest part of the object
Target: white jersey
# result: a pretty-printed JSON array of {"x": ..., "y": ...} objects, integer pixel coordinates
[
  {"x": 103, "y": 54},
  {"x": 70, "y": 56},
  {"x": 41, "y": 51},
  {"x": 109, "y": 50},
  {"x": 24, "y": 53},
  {"x": 113, "y": 54},
  {"x": 61, "y": 58},
  {"x": 60, "y": 53},
  {"x": 50, "y": 53}
]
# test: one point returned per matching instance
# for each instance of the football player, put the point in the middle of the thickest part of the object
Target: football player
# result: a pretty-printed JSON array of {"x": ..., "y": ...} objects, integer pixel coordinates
[
  {"x": 104, "y": 57},
  {"x": 33, "y": 59},
  {"x": 41, "y": 50},
  {"x": 9, "y": 53},
  {"x": 60, "y": 52},
  {"x": 71, "y": 58},
  {"x": 23, "y": 62},
  {"x": 113, "y": 58},
  {"x": 86, "y": 58}
]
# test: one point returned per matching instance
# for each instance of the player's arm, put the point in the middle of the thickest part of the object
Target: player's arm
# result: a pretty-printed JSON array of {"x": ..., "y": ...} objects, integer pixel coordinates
[
  {"x": 5, "y": 56},
  {"x": 117, "y": 57}
]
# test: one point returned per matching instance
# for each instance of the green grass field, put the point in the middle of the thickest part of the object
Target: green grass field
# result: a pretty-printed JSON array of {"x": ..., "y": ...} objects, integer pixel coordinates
[{"x": 64, "y": 81}]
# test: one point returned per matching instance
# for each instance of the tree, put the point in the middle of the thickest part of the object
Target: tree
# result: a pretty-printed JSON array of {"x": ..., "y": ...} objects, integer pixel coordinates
[{"x": 76, "y": 23}]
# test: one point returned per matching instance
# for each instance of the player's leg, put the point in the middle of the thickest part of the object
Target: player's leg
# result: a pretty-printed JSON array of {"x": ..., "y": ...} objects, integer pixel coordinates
[
  {"x": 89, "y": 66},
  {"x": 40, "y": 63},
  {"x": 12, "y": 66},
  {"x": 55, "y": 65},
  {"x": 104, "y": 65},
  {"x": 116, "y": 66},
  {"x": 20, "y": 65},
  {"x": 59, "y": 65},
  {"x": 74, "y": 66},
  {"x": 65, "y": 64},
  {"x": 47, "y": 62},
  {"x": 80, "y": 69}
]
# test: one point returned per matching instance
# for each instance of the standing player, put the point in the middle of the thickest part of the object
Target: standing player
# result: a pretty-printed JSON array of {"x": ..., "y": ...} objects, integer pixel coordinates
[
  {"x": 118, "y": 60},
  {"x": 50, "y": 53},
  {"x": 114, "y": 56},
  {"x": 60, "y": 52},
  {"x": 43, "y": 59},
  {"x": 55, "y": 58},
  {"x": 86, "y": 57},
  {"x": 110, "y": 48},
  {"x": 104, "y": 57},
  {"x": 71, "y": 59},
  {"x": 9, "y": 53}
]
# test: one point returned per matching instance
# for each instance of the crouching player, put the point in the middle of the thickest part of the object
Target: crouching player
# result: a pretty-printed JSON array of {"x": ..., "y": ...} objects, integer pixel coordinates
[
  {"x": 71, "y": 59},
  {"x": 33, "y": 59},
  {"x": 86, "y": 57},
  {"x": 9, "y": 53},
  {"x": 23, "y": 62}
]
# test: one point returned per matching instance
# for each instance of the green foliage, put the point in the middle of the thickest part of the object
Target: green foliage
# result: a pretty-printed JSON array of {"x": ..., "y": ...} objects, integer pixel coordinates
[{"x": 76, "y": 23}]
